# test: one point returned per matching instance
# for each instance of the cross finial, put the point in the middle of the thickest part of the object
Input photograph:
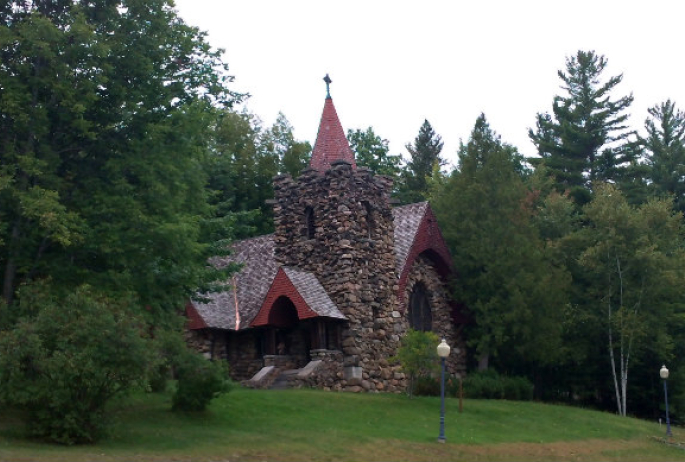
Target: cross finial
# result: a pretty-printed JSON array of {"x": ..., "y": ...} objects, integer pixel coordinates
[{"x": 328, "y": 81}]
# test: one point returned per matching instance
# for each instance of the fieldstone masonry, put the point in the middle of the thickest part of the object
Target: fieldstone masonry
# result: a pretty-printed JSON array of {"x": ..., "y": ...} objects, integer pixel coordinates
[
  {"x": 334, "y": 281},
  {"x": 352, "y": 255}
]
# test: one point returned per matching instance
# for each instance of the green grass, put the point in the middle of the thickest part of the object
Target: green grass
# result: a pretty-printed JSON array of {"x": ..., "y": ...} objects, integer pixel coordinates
[{"x": 302, "y": 425}]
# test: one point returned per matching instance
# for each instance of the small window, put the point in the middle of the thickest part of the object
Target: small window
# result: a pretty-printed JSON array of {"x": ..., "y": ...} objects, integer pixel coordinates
[
  {"x": 370, "y": 219},
  {"x": 420, "y": 315},
  {"x": 309, "y": 227}
]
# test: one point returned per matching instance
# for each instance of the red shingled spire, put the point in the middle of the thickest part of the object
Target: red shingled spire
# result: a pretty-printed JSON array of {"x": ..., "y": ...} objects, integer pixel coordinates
[{"x": 331, "y": 143}]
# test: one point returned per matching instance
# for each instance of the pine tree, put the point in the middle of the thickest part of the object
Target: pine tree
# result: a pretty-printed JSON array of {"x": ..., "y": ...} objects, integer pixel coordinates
[
  {"x": 505, "y": 278},
  {"x": 583, "y": 140},
  {"x": 424, "y": 158},
  {"x": 664, "y": 147}
]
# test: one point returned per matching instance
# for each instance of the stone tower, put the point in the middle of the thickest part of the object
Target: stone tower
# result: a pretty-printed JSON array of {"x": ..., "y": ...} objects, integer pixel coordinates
[{"x": 335, "y": 221}]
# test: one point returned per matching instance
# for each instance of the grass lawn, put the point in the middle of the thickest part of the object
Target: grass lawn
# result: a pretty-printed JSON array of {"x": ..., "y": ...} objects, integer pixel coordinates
[{"x": 310, "y": 425}]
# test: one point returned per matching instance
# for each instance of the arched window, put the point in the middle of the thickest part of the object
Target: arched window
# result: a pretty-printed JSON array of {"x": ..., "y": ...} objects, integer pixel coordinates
[
  {"x": 309, "y": 227},
  {"x": 420, "y": 316}
]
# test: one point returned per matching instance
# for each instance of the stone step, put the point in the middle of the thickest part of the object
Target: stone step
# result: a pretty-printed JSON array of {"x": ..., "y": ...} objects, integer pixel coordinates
[{"x": 281, "y": 382}]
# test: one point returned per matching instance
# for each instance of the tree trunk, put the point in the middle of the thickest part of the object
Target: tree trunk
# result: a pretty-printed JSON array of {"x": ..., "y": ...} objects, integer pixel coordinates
[
  {"x": 483, "y": 362},
  {"x": 11, "y": 266}
]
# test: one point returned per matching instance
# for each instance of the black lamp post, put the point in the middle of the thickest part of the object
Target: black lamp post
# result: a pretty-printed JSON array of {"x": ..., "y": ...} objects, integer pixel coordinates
[
  {"x": 664, "y": 375},
  {"x": 443, "y": 352}
]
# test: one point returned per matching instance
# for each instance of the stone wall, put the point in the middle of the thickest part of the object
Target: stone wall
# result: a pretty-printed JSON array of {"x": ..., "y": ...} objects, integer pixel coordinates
[
  {"x": 238, "y": 348},
  {"x": 423, "y": 270},
  {"x": 352, "y": 255}
]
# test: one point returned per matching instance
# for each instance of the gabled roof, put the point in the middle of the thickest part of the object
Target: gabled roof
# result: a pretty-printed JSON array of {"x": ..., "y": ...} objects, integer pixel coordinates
[
  {"x": 331, "y": 144},
  {"x": 417, "y": 233},
  {"x": 306, "y": 293},
  {"x": 407, "y": 220},
  {"x": 261, "y": 282}
]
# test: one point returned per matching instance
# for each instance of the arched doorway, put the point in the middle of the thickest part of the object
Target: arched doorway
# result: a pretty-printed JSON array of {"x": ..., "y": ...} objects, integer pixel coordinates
[{"x": 287, "y": 335}]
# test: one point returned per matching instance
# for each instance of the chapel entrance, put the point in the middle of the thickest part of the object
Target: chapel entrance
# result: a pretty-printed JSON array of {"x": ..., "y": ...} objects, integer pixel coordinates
[{"x": 289, "y": 341}]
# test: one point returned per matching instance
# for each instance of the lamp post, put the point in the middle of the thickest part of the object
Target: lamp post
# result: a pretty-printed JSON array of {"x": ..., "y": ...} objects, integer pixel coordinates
[
  {"x": 443, "y": 352},
  {"x": 663, "y": 372}
]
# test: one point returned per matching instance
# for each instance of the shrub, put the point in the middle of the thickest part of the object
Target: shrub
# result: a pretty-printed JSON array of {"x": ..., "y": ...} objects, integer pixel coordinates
[
  {"x": 427, "y": 386},
  {"x": 168, "y": 348},
  {"x": 417, "y": 356},
  {"x": 199, "y": 381},
  {"x": 490, "y": 385},
  {"x": 66, "y": 358}
]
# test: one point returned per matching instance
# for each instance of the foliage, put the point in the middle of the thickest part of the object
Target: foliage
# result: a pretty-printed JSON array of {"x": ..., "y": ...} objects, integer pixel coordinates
[
  {"x": 241, "y": 165},
  {"x": 664, "y": 148},
  {"x": 424, "y": 159},
  {"x": 417, "y": 355},
  {"x": 67, "y": 358},
  {"x": 293, "y": 156},
  {"x": 199, "y": 382},
  {"x": 491, "y": 385},
  {"x": 583, "y": 140},
  {"x": 105, "y": 113},
  {"x": 427, "y": 386},
  {"x": 509, "y": 279},
  {"x": 633, "y": 261},
  {"x": 371, "y": 151}
]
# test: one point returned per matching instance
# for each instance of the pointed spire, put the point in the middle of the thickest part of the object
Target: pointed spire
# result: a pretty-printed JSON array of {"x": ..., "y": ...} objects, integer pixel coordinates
[{"x": 331, "y": 144}]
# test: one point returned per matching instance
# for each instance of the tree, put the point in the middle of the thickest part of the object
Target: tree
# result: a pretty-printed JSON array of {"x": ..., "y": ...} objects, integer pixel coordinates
[
  {"x": 506, "y": 277},
  {"x": 424, "y": 159},
  {"x": 633, "y": 261},
  {"x": 582, "y": 141},
  {"x": 67, "y": 358},
  {"x": 664, "y": 147},
  {"x": 371, "y": 151},
  {"x": 242, "y": 163},
  {"x": 417, "y": 356},
  {"x": 279, "y": 140},
  {"x": 105, "y": 112}
]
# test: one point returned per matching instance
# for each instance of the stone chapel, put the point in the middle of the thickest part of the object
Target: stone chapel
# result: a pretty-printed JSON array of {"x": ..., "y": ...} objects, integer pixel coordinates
[{"x": 324, "y": 301}]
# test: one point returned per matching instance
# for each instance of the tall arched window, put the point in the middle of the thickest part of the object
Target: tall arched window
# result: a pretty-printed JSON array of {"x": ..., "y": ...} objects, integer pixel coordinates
[
  {"x": 420, "y": 315},
  {"x": 309, "y": 227}
]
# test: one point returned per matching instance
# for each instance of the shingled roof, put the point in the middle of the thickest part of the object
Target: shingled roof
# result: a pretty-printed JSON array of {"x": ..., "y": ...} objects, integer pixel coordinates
[
  {"x": 252, "y": 283},
  {"x": 407, "y": 220},
  {"x": 255, "y": 281}
]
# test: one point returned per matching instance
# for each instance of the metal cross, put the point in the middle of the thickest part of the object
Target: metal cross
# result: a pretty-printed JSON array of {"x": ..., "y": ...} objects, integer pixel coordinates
[{"x": 328, "y": 81}]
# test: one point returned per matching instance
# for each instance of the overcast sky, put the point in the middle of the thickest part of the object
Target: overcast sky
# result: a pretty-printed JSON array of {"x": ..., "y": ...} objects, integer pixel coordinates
[{"x": 396, "y": 63}]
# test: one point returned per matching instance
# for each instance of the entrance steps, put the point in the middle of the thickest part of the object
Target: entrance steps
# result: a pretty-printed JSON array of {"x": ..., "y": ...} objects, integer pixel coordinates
[
  {"x": 271, "y": 377},
  {"x": 281, "y": 382}
]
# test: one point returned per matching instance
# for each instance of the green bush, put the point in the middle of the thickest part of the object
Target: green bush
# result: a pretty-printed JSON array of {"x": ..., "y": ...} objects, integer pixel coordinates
[
  {"x": 199, "y": 381},
  {"x": 417, "y": 356},
  {"x": 168, "y": 349},
  {"x": 427, "y": 386},
  {"x": 490, "y": 385},
  {"x": 64, "y": 359}
]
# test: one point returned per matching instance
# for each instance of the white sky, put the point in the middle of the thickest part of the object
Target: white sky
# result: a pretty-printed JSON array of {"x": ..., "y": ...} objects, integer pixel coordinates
[{"x": 396, "y": 63}]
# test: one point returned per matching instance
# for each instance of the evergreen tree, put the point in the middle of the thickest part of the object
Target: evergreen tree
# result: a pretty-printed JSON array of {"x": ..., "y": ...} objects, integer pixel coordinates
[
  {"x": 424, "y": 158},
  {"x": 664, "y": 148},
  {"x": 583, "y": 140},
  {"x": 506, "y": 279}
]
